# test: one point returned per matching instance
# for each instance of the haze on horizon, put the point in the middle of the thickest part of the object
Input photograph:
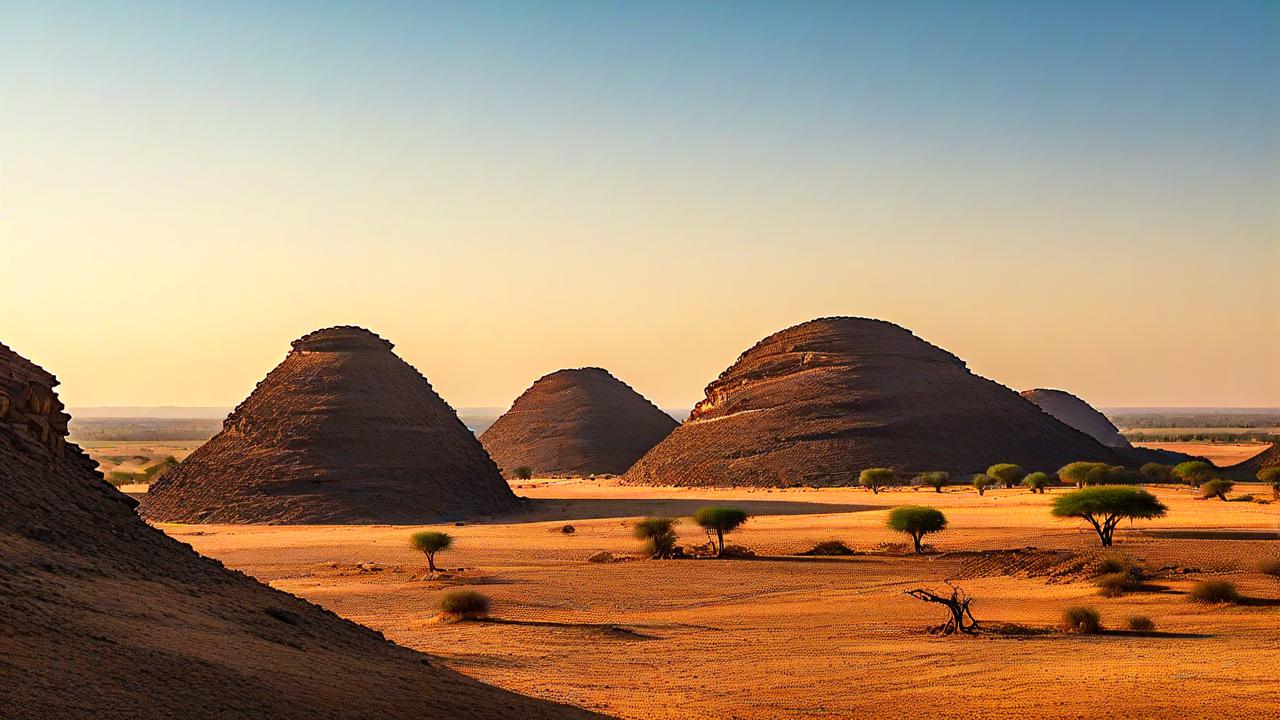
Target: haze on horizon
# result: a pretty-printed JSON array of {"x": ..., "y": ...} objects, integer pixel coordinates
[{"x": 1071, "y": 195}]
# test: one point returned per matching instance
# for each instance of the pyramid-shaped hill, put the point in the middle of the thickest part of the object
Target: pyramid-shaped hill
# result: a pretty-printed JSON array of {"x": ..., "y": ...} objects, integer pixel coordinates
[
  {"x": 342, "y": 431},
  {"x": 577, "y": 422},
  {"x": 817, "y": 403},
  {"x": 106, "y": 618},
  {"x": 1078, "y": 414}
]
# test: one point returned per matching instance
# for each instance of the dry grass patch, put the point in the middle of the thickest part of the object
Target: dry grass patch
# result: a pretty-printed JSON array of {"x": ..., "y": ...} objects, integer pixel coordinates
[
  {"x": 1081, "y": 620},
  {"x": 1214, "y": 591},
  {"x": 464, "y": 605}
]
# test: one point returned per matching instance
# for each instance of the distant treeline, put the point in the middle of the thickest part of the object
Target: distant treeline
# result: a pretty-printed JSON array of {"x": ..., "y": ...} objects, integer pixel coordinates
[
  {"x": 138, "y": 429},
  {"x": 1202, "y": 436},
  {"x": 1128, "y": 421}
]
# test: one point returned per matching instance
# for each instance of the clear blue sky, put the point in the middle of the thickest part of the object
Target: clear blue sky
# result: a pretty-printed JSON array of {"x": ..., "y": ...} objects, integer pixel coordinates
[{"x": 1078, "y": 194}]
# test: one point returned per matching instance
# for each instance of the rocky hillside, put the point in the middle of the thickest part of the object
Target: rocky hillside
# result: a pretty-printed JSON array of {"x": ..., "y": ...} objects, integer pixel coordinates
[{"x": 817, "y": 403}]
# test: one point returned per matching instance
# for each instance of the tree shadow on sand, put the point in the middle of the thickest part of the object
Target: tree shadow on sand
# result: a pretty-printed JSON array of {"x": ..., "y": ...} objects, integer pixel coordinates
[{"x": 556, "y": 509}]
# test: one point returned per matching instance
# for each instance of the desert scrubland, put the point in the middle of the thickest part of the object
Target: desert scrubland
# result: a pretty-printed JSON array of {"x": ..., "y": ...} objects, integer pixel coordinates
[{"x": 784, "y": 635}]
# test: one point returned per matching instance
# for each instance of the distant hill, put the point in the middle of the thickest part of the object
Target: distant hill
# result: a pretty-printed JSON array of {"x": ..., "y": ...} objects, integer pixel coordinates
[{"x": 170, "y": 412}]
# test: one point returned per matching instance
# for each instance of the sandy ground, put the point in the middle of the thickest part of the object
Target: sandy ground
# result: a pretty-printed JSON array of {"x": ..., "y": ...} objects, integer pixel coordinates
[
  {"x": 1220, "y": 454},
  {"x": 784, "y": 636},
  {"x": 135, "y": 456}
]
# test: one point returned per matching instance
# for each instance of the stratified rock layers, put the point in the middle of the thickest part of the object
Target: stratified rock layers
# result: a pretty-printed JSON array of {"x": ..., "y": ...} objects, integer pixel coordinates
[
  {"x": 1078, "y": 414},
  {"x": 343, "y": 431},
  {"x": 817, "y": 403},
  {"x": 577, "y": 422},
  {"x": 106, "y": 618}
]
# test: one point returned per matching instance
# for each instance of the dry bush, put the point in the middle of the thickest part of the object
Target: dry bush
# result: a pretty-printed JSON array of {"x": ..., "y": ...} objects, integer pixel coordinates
[
  {"x": 830, "y": 548},
  {"x": 1113, "y": 584},
  {"x": 1116, "y": 574},
  {"x": 1141, "y": 623},
  {"x": 1081, "y": 620},
  {"x": 465, "y": 604},
  {"x": 1214, "y": 591}
]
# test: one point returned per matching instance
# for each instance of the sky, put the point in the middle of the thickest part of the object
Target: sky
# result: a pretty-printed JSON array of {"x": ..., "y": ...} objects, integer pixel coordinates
[{"x": 1080, "y": 195}]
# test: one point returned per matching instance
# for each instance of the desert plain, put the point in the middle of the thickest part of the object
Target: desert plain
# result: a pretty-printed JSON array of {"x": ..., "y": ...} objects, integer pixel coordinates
[{"x": 788, "y": 635}]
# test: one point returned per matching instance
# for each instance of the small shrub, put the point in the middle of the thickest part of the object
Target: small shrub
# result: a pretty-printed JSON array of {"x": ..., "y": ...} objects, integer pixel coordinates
[
  {"x": 1114, "y": 562},
  {"x": 1081, "y": 620},
  {"x": 658, "y": 534},
  {"x": 465, "y": 604},
  {"x": 1216, "y": 488},
  {"x": 568, "y": 529},
  {"x": 604, "y": 556},
  {"x": 1270, "y": 566},
  {"x": 830, "y": 548},
  {"x": 524, "y": 472},
  {"x": 1114, "y": 584},
  {"x": 1214, "y": 591},
  {"x": 1141, "y": 623}
]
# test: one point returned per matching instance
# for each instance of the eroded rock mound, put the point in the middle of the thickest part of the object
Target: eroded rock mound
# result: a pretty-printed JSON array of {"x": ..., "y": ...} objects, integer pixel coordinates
[
  {"x": 107, "y": 618},
  {"x": 343, "y": 431},
  {"x": 577, "y": 422},
  {"x": 818, "y": 402},
  {"x": 1078, "y": 414}
]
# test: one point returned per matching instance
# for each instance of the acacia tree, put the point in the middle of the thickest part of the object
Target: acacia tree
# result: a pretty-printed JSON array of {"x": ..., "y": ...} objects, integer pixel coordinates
[
  {"x": 982, "y": 482},
  {"x": 659, "y": 535},
  {"x": 524, "y": 472},
  {"x": 1194, "y": 472},
  {"x": 1036, "y": 482},
  {"x": 721, "y": 520},
  {"x": 431, "y": 542},
  {"x": 1007, "y": 473},
  {"x": 1104, "y": 506},
  {"x": 936, "y": 479},
  {"x": 875, "y": 478},
  {"x": 917, "y": 521},
  {"x": 1077, "y": 473},
  {"x": 1157, "y": 473}
]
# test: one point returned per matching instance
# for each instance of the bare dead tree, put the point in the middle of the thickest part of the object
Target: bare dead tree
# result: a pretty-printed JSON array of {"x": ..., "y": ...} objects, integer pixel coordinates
[{"x": 961, "y": 619}]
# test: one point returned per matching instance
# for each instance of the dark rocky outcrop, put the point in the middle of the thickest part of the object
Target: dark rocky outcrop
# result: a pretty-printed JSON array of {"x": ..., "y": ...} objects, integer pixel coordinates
[
  {"x": 1078, "y": 414},
  {"x": 105, "y": 618},
  {"x": 1248, "y": 470},
  {"x": 342, "y": 431},
  {"x": 577, "y": 422},
  {"x": 818, "y": 402}
]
